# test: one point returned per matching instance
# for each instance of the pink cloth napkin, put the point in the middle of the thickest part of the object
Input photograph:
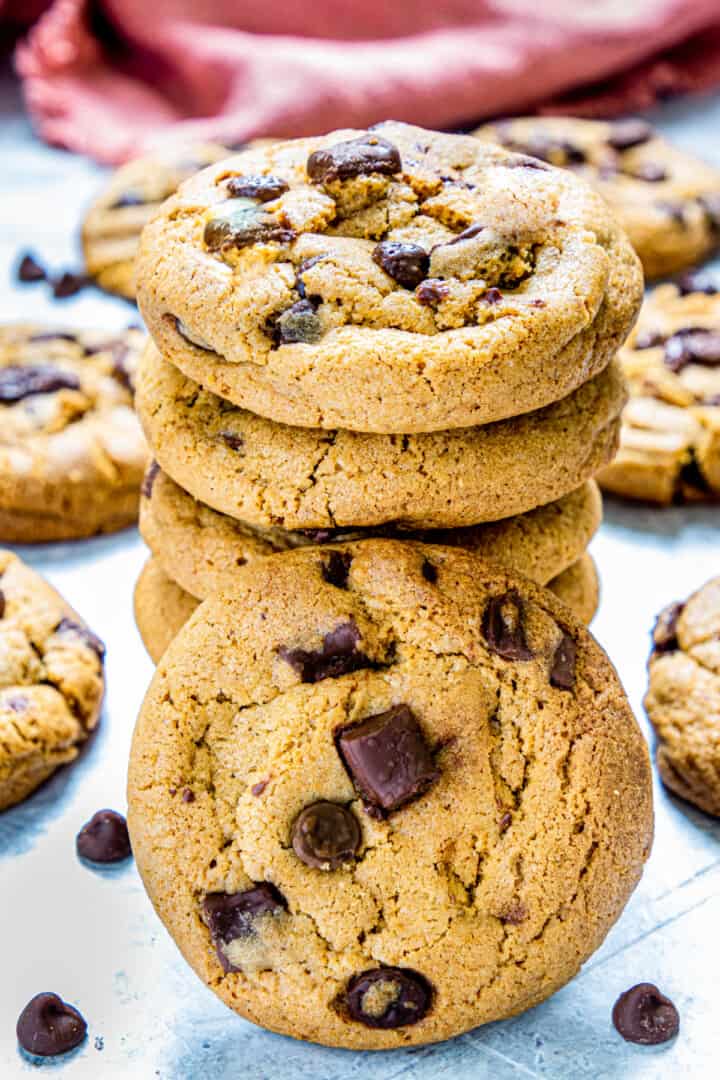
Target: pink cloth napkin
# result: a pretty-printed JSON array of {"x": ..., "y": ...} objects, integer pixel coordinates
[{"x": 112, "y": 77}]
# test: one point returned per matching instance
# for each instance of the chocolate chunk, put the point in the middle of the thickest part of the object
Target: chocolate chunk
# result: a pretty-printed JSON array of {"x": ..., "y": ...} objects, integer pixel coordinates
[
  {"x": 299, "y": 323},
  {"x": 230, "y": 916},
  {"x": 70, "y": 626},
  {"x": 692, "y": 476},
  {"x": 120, "y": 370},
  {"x": 146, "y": 487},
  {"x": 188, "y": 795},
  {"x": 546, "y": 148},
  {"x": 300, "y": 284},
  {"x": 696, "y": 281},
  {"x": 562, "y": 671},
  {"x": 68, "y": 283},
  {"x": 21, "y": 381},
  {"x": 53, "y": 335},
  {"x": 358, "y": 157},
  {"x": 336, "y": 568},
  {"x": 232, "y": 439},
  {"x": 648, "y": 339},
  {"x": 674, "y": 210},
  {"x": 2, "y": 603},
  {"x": 429, "y": 571},
  {"x": 240, "y": 226},
  {"x": 104, "y": 838},
  {"x": 405, "y": 263},
  {"x": 643, "y": 1015},
  {"x": 664, "y": 635},
  {"x": 48, "y": 1026},
  {"x": 625, "y": 134},
  {"x": 492, "y": 296},
  {"x": 432, "y": 291},
  {"x": 257, "y": 789},
  {"x": 338, "y": 656},
  {"x": 466, "y": 234},
  {"x": 30, "y": 270},
  {"x": 505, "y": 821},
  {"x": 262, "y": 188},
  {"x": 325, "y": 835},
  {"x": 694, "y": 345},
  {"x": 129, "y": 198},
  {"x": 514, "y": 914},
  {"x": 522, "y": 161},
  {"x": 650, "y": 171},
  {"x": 388, "y": 759},
  {"x": 388, "y": 997},
  {"x": 503, "y": 627},
  {"x": 710, "y": 205},
  {"x": 185, "y": 333}
]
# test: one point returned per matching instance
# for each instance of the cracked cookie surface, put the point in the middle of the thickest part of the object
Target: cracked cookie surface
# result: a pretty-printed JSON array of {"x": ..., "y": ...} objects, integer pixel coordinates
[
  {"x": 51, "y": 680},
  {"x": 670, "y": 438},
  {"x": 271, "y": 475},
  {"x": 667, "y": 201},
  {"x": 472, "y": 728},
  {"x": 72, "y": 453},
  {"x": 394, "y": 280},
  {"x": 683, "y": 697}
]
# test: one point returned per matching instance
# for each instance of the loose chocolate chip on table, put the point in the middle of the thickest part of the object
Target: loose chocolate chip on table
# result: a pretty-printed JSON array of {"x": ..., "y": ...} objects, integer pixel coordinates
[
  {"x": 68, "y": 284},
  {"x": 650, "y": 171},
  {"x": 388, "y": 997},
  {"x": 299, "y": 323},
  {"x": 710, "y": 205},
  {"x": 432, "y": 291},
  {"x": 338, "y": 656},
  {"x": 21, "y": 381},
  {"x": 357, "y": 157},
  {"x": 48, "y": 1026},
  {"x": 231, "y": 439},
  {"x": 240, "y": 226},
  {"x": 149, "y": 479},
  {"x": 29, "y": 269},
  {"x": 230, "y": 916},
  {"x": 69, "y": 626},
  {"x": 696, "y": 281},
  {"x": 388, "y": 759},
  {"x": 336, "y": 568},
  {"x": 643, "y": 1015},
  {"x": 694, "y": 345},
  {"x": 631, "y": 132},
  {"x": 664, "y": 633},
  {"x": 104, "y": 838},
  {"x": 325, "y": 835},
  {"x": 562, "y": 672},
  {"x": 503, "y": 627},
  {"x": 262, "y": 188},
  {"x": 405, "y": 263}
]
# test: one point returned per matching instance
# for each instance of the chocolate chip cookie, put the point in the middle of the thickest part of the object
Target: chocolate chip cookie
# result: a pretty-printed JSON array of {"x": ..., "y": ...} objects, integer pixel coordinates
[
  {"x": 579, "y": 588},
  {"x": 670, "y": 439},
  {"x": 272, "y": 475},
  {"x": 378, "y": 809},
  {"x": 134, "y": 193},
  {"x": 161, "y": 608},
  {"x": 667, "y": 201},
  {"x": 72, "y": 453},
  {"x": 683, "y": 698},
  {"x": 51, "y": 680},
  {"x": 392, "y": 280}
]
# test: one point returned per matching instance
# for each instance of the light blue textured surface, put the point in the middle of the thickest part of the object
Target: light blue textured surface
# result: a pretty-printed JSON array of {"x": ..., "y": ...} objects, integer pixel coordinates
[{"x": 93, "y": 937}]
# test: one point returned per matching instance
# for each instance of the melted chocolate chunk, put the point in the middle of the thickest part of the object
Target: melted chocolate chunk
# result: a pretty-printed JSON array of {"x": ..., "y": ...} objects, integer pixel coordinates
[
  {"x": 503, "y": 627},
  {"x": 146, "y": 488},
  {"x": 625, "y": 134},
  {"x": 185, "y": 333},
  {"x": 696, "y": 281},
  {"x": 232, "y": 439},
  {"x": 432, "y": 291},
  {"x": 388, "y": 759},
  {"x": 325, "y": 835},
  {"x": 300, "y": 284},
  {"x": 562, "y": 671},
  {"x": 239, "y": 227},
  {"x": 299, "y": 323},
  {"x": 69, "y": 626},
  {"x": 262, "y": 188},
  {"x": 30, "y": 270},
  {"x": 230, "y": 916},
  {"x": 388, "y": 997},
  {"x": 466, "y": 234},
  {"x": 664, "y": 635},
  {"x": 694, "y": 345},
  {"x": 336, "y": 568},
  {"x": 407, "y": 264},
  {"x": 358, "y": 157},
  {"x": 710, "y": 205},
  {"x": 21, "y": 381},
  {"x": 104, "y": 838},
  {"x": 48, "y": 1026},
  {"x": 338, "y": 656},
  {"x": 645, "y": 1016}
]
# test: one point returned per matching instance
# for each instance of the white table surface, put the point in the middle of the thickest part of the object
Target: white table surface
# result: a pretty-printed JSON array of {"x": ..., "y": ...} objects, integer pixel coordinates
[{"x": 93, "y": 936}]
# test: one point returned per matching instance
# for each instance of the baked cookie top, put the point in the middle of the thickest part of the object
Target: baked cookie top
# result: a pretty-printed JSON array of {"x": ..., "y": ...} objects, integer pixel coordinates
[
  {"x": 51, "y": 680},
  {"x": 667, "y": 200},
  {"x": 391, "y": 280},
  {"x": 381, "y": 793},
  {"x": 683, "y": 697}
]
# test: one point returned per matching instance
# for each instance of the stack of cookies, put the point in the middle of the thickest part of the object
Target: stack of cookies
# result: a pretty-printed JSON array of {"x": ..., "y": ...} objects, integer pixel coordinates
[{"x": 392, "y": 332}]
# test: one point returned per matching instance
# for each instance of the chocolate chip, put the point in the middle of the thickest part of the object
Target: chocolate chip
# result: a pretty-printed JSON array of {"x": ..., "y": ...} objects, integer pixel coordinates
[
  {"x": 120, "y": 370},
  {"x": 625, "y": 134},
  {"x": 692, "y": 476},
  {"x": 128, "y": 198},
  {"x": 432, "y": 291},
  {"x": 262, "y": 188},
  {"x": 643, "y": 1015},
  {"x": 185, "y": 333},
  {"x": 466, "y": 234},
  {"x": 562, "y": 671},
  {"x": 648, "y": 339},
  {"x": 674, "y": 210},
  {"x": 2, "y": 604},
  {"x": 358, "y": 157},
  {"x": 429, "y": 572},
  {"x": 338, "y": 656},
  {"x": 514, "y": 914},
  {"x": 522, "y": 161},
  {"x": 232, "y": 439},
  {"x": 505, "y": 821},
  {"x": 68, "y": 283},
  {"x": 230, "y": 916},
  {"x": 299, "y": 323},
  {"x": 388, "y": 759},
  {"x": 388, "y": 997},
  {"x": 503, "y": 627},
  {"x": 710, "y": 205},
  {"x": 21, "y": 381},
  {"x": 325, "y": 835},
  {"x": 546, "y": 148},
  {"x": 146, "y": 487},
  {"x": 257, "y": 789},
  {"x": 70, "y": 626},
  {"x": 300, "y": 284},
  {"x": 104, "y": 838},
  {"x": 696, "y": 281},
  {"x": 492, "y": 296},
  {"x": 53, "y": 335},
  {"x": 48, "y": 1026},
  {"x": 664, "y": 635},
  {"x": 405, "y": 263},
  {"x": 649, "y": 171},
  {"x": 694, "y": 345},
  {"x": 30, "y": 270},
  {"x": 336, "y": 568},
  {"x": 239, "y": 227}
]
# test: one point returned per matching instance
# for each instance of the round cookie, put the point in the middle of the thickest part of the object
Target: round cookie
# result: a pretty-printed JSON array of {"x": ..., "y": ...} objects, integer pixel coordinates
[
  {"x": 683, "y": 697},
  {"x": 133, "y": 195},
  {"x": 271, "y": 475},
  {"x": 396, "y": 280},
  {"x": 489, "y": 789},
  {"x": 579, "y": 588},
  {"x": 667, "y": 201},
  {"x": 72, "y": 454},
  {"x": 161, "y": 608},
  {"x": 670, "y": 439},
  {"x": 51, "y": 680}
]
